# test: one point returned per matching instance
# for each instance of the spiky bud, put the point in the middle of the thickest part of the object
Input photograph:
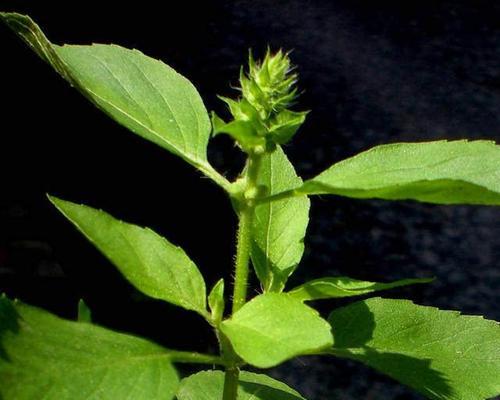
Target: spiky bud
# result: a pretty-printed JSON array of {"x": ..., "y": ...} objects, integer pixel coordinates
[
  {"x": 269, "y": 85},
  {"x": 261, "y": 118}
]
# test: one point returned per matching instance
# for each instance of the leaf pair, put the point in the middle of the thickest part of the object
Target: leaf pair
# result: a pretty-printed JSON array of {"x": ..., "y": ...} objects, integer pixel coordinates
[
  {"x": 268, "y": 330},
  {"x": 43, "y": 356},
  {"x": 441, "y": 354}
]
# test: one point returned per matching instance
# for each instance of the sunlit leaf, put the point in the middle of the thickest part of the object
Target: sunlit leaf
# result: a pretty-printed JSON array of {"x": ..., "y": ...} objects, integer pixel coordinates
[
  {"x": 279, "y": 226},
  {"x": 274, "y": 327},
  {"x": 141, "y": 93},
  {"x": 444, "y": 172},
  {"x": 151, "y": 263}
]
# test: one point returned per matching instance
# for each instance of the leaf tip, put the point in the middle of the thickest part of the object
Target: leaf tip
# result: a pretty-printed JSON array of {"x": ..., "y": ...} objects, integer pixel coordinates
[
  {"x": 84, "y": 313},
  {"x": 63, "y": 206},
  {"x": 56, "y": 201}
]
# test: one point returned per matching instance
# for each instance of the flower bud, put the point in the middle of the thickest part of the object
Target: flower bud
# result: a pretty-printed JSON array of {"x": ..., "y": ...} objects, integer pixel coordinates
[{"x": 261, "y": 118}]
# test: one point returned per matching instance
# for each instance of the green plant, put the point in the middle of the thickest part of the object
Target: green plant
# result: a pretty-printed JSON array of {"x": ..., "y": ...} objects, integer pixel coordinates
[{"x": 442, "y": 354}]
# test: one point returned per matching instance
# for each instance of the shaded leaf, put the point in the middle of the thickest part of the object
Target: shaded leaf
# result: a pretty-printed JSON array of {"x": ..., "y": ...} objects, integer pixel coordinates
[
  {"x": 442, "y": 354},
  {"x": 273, "y": 327},
  {"x": 443, "y": 172},
  {"x": 47, "y": 357},
  {"x": 209, "y": 385},
  {"x": 342, "y": 286},
  {"x": 151, "y": 263}
]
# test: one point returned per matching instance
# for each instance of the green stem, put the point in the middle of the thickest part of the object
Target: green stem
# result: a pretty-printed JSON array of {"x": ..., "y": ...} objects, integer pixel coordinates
[
  {"x": 278, "y": 196},
  {"x": 231, "y": 383},
  {"x": 195, "y": 358},
  {"x": 242, "y": 258},
  {"x": 210, "y": 172},
  {"x": 246, "y": 209}
]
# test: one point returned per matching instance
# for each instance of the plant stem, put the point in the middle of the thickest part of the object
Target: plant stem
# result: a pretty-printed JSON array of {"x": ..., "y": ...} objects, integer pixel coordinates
[
  {"x": 242, "y": 258},
  {"x": 231, "y": 383},
  {"x": 241, "y": 268},
  {"x": 239, "y": 296},
  {"x": 244, "y": 235},
  {"x": 210, "y": 172}
]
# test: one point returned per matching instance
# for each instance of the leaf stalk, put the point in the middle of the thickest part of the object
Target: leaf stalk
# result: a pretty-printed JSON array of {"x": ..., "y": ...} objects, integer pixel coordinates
[{"x": 195, "y": 358}]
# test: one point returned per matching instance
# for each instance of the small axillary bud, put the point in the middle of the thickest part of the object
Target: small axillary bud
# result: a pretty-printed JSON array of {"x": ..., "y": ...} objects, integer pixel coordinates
[
  {"x": 251, "y": 193},
  {"x": 259, "y": 150}
]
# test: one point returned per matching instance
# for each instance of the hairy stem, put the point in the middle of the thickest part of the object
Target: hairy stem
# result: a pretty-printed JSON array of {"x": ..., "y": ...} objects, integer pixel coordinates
[
  {"x": 244, "y": 235},
  {"x": 210, "y": 172},
  {"x": 242, "y": 258},
  {"x": 241, "y": 267}
]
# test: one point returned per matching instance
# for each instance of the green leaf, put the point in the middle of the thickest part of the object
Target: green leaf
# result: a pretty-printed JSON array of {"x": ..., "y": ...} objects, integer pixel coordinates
[
  {"x": 43, "y": 356},
  {"x": 279, "y": 226},
  {"x": 151, "y": 263},
  {"x": 443, "y": 172},
  {"x": 216, "y": 301},
  {"x": 84, "y": 313},
  {"x": 342, "y": 286},
  {"x": 442, "y": 354},
  {"x": 141, "y": 93},
  {"x": 286, "y": 125},
  {"x": 209, "y": 385},
  {"x": 242, "y": 110},
  {"x": 273, "y": 327},
  {"x": 242, "y": 132}
]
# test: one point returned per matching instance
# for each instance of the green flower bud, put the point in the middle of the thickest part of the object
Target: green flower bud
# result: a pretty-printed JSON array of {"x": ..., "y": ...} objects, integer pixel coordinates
[{"x": 261, "y": 118}]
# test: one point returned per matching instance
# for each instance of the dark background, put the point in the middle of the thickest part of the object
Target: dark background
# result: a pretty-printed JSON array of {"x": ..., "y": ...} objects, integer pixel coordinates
[{"x": 372, "y": 73}]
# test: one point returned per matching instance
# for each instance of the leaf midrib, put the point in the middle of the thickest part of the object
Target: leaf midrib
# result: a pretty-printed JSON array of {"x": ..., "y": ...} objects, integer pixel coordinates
[
  {"x": 191, "y": 158},
  {"x": 126, "y": 361}
]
